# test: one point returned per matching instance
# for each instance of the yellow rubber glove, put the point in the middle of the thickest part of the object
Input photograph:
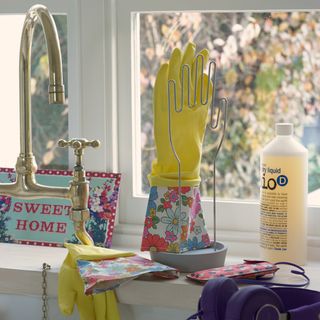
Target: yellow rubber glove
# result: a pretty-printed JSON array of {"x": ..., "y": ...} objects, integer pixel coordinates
[
  {"x": 188, "y": 126},
  {"x": 102, "y": 306}
]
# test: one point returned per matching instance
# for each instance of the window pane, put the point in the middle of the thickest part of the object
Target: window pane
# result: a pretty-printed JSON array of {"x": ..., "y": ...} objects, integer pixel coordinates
[
  {"x": 49, "y": 122},
  {"x": 10, "y": 33},
  {"x": 268, "y": 67}
]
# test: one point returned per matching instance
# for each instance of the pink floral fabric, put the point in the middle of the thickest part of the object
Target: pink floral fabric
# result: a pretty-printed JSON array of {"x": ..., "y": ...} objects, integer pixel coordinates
[
  {"x": 247, "y": 270},
  {"x": 100, "y": 276},
  {"x": 167, "y": 229}
]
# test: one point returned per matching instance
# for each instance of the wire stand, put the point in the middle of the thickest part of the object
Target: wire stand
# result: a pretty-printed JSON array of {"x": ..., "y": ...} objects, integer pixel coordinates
[
  {"x": 213, "y": 256},
  {"x": 224, "y": 106},
  {"x": 213, "y": 125}
]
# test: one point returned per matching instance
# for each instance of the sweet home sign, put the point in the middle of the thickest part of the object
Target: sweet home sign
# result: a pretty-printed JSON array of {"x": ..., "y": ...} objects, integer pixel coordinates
[{"x": 46, "y": 222}]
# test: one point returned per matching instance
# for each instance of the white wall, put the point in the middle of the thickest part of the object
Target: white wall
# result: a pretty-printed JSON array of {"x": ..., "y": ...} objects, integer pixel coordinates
[{"x": 14, "y": 307}]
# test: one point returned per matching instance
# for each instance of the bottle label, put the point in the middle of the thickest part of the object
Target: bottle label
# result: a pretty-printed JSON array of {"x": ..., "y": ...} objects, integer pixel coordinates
[{"x": 281, "y": 200}]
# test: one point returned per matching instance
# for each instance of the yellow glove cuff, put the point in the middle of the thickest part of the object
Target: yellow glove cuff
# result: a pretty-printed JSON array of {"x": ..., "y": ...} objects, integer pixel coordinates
[
  {"x": 85, "y": 252},
  {"x": 167, "y": 181}
]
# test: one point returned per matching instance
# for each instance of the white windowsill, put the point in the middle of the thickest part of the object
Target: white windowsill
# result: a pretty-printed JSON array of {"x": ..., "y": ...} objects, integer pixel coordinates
[{"x": 20, "y": 273}]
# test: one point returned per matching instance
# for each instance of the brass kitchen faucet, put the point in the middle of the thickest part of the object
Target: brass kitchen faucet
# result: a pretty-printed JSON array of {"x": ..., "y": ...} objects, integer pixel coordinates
[{"x": 26, "y": 186}]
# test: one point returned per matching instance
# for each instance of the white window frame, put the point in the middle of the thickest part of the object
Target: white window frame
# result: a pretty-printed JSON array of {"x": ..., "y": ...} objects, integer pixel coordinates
[
  {"x": 238, "y": 221},
  {"x": 101, "y": 96}
]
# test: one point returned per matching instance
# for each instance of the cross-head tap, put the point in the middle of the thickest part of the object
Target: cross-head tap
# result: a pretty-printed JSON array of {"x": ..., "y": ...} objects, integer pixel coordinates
[{"x": 79, "y": 186}]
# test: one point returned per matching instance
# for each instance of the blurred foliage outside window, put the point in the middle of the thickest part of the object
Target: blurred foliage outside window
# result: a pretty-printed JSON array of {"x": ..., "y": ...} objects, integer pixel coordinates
[
  {"x": 49, "y": 122},
  {"x": 268, "y": 67}
]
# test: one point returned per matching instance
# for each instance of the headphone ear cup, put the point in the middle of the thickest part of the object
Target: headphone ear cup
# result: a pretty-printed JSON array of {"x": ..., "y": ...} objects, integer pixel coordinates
[
  {"x": 214, "y": 298},
  {"x": 254, "y": 303}
]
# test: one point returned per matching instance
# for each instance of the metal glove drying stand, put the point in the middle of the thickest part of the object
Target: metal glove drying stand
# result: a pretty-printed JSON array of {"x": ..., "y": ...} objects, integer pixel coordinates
[{"x": 213, "y": 256}]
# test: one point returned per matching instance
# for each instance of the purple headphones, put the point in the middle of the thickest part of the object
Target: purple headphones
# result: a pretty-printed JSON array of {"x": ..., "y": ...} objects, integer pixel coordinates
[{"x": 222, "y": 300}]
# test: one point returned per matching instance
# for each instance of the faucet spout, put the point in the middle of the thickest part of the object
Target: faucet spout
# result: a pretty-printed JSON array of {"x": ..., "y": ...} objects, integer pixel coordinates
[
  {"x": 38, "y": 14},
  {"x": 26, "y": 185}
]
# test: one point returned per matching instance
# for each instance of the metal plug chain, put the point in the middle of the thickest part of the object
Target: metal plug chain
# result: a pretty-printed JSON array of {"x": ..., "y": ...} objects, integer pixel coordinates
[{"x": 45, "y": 267}]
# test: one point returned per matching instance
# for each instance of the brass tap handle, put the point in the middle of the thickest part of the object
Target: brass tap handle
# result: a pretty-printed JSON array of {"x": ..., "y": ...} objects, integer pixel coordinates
[{"x": 78, "y": 145}]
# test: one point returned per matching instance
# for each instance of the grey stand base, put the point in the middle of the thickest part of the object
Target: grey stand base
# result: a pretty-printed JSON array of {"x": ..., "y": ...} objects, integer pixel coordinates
[{"x": 195, "y": 260}]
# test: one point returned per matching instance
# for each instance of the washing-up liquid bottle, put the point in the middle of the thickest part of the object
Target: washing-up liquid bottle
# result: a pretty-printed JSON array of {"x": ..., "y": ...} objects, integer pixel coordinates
[{"x": 283, "y": 198}]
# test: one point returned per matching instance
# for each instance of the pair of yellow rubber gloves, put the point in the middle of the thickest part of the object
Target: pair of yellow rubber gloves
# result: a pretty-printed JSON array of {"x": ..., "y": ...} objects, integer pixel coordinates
[
  {"x": 102, "y": 306},
  {"x": 189, "y": 128}
]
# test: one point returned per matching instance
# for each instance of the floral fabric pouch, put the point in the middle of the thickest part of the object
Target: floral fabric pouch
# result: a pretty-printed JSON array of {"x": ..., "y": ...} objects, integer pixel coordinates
[
  {"x": 250, "y": 269},
  {"x": 166, "y": 229},
  {"x": 103, "y": 275}
]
